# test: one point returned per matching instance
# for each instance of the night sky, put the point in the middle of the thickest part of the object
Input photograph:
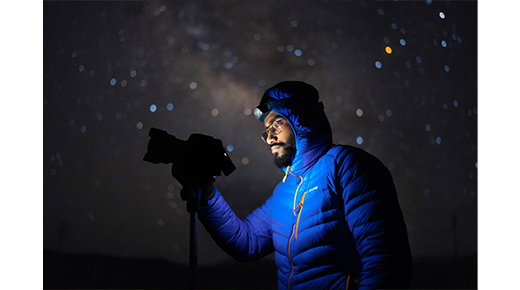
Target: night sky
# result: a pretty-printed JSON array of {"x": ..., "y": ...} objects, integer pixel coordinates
[{"x": 398, "y": 79}]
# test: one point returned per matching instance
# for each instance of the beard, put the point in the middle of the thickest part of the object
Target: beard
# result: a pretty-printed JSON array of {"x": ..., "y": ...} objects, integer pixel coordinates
[{"x": 285, "y": 158}]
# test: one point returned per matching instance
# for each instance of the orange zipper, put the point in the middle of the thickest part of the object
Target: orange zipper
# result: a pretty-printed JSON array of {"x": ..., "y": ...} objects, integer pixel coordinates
[
  {"x": 290, "y": 260},
  {"x": 295, "y": 227}
]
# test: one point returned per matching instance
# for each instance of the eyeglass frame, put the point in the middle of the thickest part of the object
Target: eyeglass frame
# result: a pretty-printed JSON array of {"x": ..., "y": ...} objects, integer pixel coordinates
[{"x": 274, "y": 129}]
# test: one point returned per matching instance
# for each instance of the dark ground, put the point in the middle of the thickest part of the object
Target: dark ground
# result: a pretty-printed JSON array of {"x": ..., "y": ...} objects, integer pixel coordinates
[{"x": 89, "y": 271}]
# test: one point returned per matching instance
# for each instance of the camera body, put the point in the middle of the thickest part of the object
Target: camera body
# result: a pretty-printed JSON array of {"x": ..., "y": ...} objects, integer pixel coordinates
[{"x": 201, "y": 156}]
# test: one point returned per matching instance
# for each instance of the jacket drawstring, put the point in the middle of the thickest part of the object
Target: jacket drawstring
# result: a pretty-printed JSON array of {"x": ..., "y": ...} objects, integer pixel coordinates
[
  {"x": 296, "y": 193},
  {"x": 300, "y": 206},
  {"x": 286, "y": 172}
]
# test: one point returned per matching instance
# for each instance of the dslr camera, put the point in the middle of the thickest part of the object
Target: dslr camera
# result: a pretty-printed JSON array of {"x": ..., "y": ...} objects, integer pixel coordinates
[{"x": 201, "y": 156}]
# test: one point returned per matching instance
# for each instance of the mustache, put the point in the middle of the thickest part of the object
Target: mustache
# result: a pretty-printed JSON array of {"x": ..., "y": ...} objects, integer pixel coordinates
[{"x": 282, "y": 144}]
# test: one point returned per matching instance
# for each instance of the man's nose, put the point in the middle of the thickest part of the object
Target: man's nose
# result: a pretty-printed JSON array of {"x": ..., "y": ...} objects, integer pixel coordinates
[{"x": 271, "y": 138}]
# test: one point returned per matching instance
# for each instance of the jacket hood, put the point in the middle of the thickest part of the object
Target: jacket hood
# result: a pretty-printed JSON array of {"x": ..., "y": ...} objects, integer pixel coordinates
[{"x": 299, "y": 104}]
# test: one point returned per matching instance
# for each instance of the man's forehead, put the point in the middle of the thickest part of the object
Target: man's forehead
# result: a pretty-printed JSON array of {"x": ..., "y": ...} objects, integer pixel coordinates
[{"x": 270, "y": 118}]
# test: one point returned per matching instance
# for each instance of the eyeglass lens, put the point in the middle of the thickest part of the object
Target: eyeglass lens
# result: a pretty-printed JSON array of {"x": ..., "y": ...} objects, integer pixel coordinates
[{"x": 274, "y": 129}]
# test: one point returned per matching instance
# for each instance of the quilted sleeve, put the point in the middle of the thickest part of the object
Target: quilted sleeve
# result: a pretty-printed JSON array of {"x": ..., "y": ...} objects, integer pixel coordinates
[
  {"x": 246, "y": 240},
  {"x": 375, "y": 219}
]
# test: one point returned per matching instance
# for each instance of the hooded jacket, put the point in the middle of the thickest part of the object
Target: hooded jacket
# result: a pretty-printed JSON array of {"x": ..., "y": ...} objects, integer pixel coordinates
[{"x": 334, "y": 221}]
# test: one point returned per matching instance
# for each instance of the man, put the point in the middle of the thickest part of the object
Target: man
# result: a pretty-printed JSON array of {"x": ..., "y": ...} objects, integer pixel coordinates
[{"x": 333, "y": 221}]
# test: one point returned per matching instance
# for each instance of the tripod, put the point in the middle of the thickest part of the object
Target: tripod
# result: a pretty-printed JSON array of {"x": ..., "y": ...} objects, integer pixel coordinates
[
  {"x": 193, "y": 196},
  {"x": 193, "y": 249}
]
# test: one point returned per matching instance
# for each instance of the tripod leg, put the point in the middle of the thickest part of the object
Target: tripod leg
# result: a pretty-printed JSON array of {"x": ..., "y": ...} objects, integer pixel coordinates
[{"x": 193, "y": 249}]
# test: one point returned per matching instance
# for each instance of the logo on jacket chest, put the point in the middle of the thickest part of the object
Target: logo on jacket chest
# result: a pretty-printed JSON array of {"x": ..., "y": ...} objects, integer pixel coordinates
[{"x": 312, "y": 189}]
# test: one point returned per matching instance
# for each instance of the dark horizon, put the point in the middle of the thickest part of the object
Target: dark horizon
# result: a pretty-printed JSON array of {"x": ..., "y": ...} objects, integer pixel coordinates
[{"x": 91, "y": 271}]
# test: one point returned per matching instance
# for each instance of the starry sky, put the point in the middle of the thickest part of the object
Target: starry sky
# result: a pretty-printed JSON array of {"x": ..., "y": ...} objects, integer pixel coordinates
[{"x": 398, "y": 79}]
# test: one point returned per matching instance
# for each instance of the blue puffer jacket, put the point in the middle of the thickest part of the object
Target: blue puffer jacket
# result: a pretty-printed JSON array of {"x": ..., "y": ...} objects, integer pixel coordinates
[{"x": 334, "y": 220}]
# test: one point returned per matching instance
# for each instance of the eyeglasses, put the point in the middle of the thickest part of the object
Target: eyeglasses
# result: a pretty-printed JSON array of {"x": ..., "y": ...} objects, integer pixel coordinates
[{"x": 274, "y": 129}]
